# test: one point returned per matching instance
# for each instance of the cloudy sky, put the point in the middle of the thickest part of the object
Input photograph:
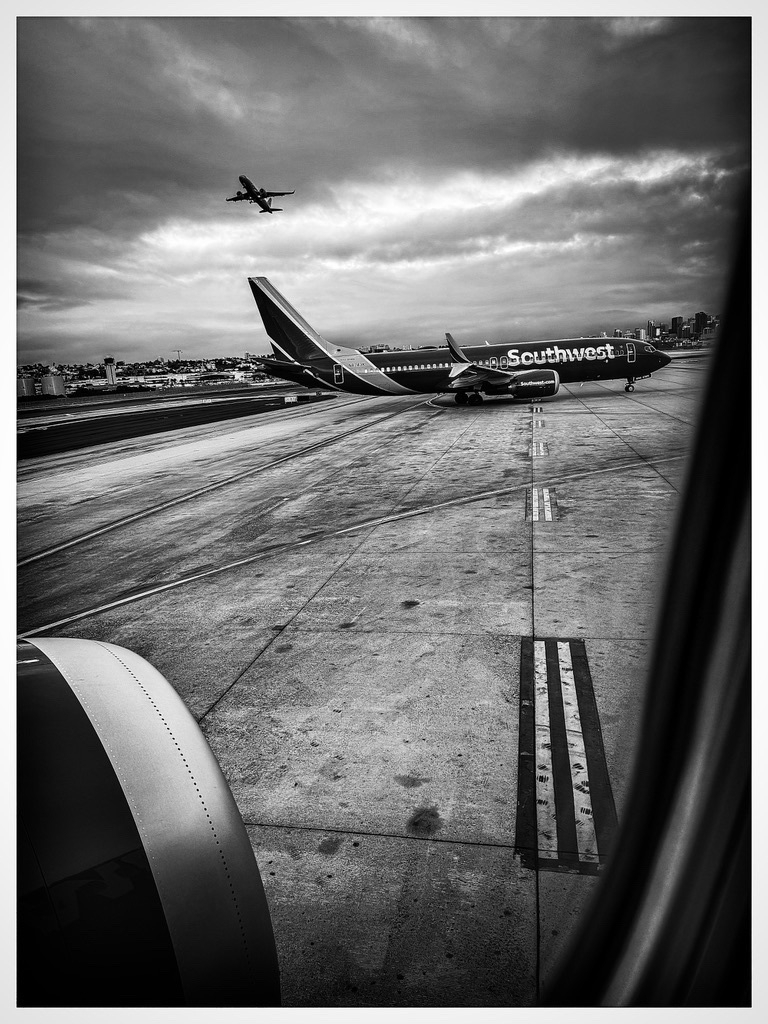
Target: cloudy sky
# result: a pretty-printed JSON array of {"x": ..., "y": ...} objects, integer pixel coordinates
[{"x": 499, "y": 178}]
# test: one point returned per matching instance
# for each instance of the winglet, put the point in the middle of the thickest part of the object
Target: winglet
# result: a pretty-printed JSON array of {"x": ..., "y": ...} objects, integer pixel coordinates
[{"x": 456, "y": 352}]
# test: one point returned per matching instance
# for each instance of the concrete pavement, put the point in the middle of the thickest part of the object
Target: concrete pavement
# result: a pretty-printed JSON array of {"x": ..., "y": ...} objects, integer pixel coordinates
[{"x": 346, "y": 625}]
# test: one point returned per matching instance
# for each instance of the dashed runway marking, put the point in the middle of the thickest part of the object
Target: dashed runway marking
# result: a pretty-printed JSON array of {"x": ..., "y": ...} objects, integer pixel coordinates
[
  {"x": 566, "y": 817},
  {"x": 366, "y": 524},
  {"x": 538, "y": 423},
  {"x": 541, "y": 504},
  {"x": 538, "y": 448}
]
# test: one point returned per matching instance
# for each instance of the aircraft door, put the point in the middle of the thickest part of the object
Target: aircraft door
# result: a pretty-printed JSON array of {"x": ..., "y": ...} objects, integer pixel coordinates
[
  {"x": 630, "y": 352},
  {"x": 338, "y": 374}
]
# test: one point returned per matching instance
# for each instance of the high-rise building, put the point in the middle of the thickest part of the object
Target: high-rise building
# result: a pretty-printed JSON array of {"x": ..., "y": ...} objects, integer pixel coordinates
[
  {"x": 700, "y": 321},
  {"x": 677, "y": 325}
]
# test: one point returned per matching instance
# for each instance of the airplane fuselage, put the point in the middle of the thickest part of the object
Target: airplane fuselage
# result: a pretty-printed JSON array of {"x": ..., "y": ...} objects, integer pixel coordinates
[
  {"x": 524, "y": 370},
  {"x": 260, "y": 196},
  {"x": 254, "y": 195},
  {"x": 425, "y": 371}
]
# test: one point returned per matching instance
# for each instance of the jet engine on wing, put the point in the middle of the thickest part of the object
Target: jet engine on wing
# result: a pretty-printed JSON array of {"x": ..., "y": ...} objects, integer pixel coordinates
[
  {"x": 535, "y": 384},
  {"x": 137, "y": 882}
]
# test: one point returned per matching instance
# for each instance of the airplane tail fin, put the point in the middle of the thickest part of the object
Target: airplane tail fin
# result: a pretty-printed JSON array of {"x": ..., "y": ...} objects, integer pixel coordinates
[
  {"x": 455, "y": 351},
  {"x": 289, "y": 332}
]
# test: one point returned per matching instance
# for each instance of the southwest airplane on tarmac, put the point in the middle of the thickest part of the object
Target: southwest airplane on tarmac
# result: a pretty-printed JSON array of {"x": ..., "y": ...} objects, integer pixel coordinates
[
  {"x": 533, "y": 369},
  {"x": 257, "y": 195}
]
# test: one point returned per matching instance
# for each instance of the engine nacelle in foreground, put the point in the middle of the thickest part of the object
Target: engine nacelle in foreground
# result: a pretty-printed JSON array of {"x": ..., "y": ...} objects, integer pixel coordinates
[
  {"x": 137, "y": 883},
  {"x": 535, "y": 384}
]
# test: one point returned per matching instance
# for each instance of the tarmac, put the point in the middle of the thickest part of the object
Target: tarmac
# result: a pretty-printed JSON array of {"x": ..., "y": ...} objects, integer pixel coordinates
[{"x": 361, "y": 602}]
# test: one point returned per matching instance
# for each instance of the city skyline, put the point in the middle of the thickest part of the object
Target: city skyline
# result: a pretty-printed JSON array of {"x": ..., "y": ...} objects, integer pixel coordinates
[
  {"x": 665, "y": 326},
  {"x": 498, "y": 178}
]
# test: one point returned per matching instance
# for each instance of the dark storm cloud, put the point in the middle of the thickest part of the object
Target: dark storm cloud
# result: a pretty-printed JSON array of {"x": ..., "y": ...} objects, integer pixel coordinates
[
  {"x": 131, "y": 131},
  {"x": 133, "y": 117},
  {"x": 55, "y": 296}
]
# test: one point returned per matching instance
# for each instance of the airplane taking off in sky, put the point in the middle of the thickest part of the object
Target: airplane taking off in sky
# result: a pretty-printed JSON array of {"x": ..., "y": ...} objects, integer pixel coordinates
[
  {"x": 532, "y": 369},
  {"x": 257, "y": 195}
]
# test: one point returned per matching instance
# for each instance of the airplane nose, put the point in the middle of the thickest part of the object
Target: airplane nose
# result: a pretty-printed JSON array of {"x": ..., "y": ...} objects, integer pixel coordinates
[{"x": 664, "y": 359}]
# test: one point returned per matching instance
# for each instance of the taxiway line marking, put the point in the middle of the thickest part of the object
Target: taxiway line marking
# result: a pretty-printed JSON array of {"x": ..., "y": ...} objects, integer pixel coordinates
[
  {"x": 547, "y": 504},
  {"x": 541, "y": 504},
  {"x": 191, "y": 495},
  {"x": 566, "y": 817},
  {"x": 585, "y": 829},
  {"x": 552, "y": 705},
  {"x": 546, "y": 818},
  {"x": 368, "y": 524}
]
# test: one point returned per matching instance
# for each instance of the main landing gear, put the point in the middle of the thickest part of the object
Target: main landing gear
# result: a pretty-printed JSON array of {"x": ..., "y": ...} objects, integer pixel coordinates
[{"x": 471, "y": 398}]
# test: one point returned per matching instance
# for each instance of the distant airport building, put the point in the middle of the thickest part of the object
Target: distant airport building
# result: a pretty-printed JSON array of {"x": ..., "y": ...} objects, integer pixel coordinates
[
  {"x": 109, "y": 366},
  {"x": 25, "y": 387},
  {"x": 53, "y": 384}
]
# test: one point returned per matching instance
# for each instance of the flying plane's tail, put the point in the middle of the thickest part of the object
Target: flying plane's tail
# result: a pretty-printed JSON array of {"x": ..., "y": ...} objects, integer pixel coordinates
[{"x": 289, "y": 332}]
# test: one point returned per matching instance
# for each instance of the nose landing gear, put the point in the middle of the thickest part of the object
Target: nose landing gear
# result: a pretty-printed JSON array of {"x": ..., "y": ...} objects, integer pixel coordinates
[{"x": 629, "y": 386}]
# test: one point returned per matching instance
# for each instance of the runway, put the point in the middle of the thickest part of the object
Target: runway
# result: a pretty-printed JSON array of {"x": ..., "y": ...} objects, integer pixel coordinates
[
  {"x": 415, "y": 637},
  {"x": 45, "y": 430}
]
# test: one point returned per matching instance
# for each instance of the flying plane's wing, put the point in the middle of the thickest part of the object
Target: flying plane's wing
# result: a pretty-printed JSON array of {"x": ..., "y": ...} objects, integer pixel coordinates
[
  {"x": 265, "y": 193},
  {"x": 234, "y": 199},
  {"x": 465, "y": 374}
]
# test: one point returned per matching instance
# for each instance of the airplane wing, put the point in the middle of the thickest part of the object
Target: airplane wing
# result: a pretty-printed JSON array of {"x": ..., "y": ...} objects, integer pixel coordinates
[
  {"x": 235, "y": 199},
  {"x": 265, "y": 193},
  {"x": 465, "y": 374}
]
